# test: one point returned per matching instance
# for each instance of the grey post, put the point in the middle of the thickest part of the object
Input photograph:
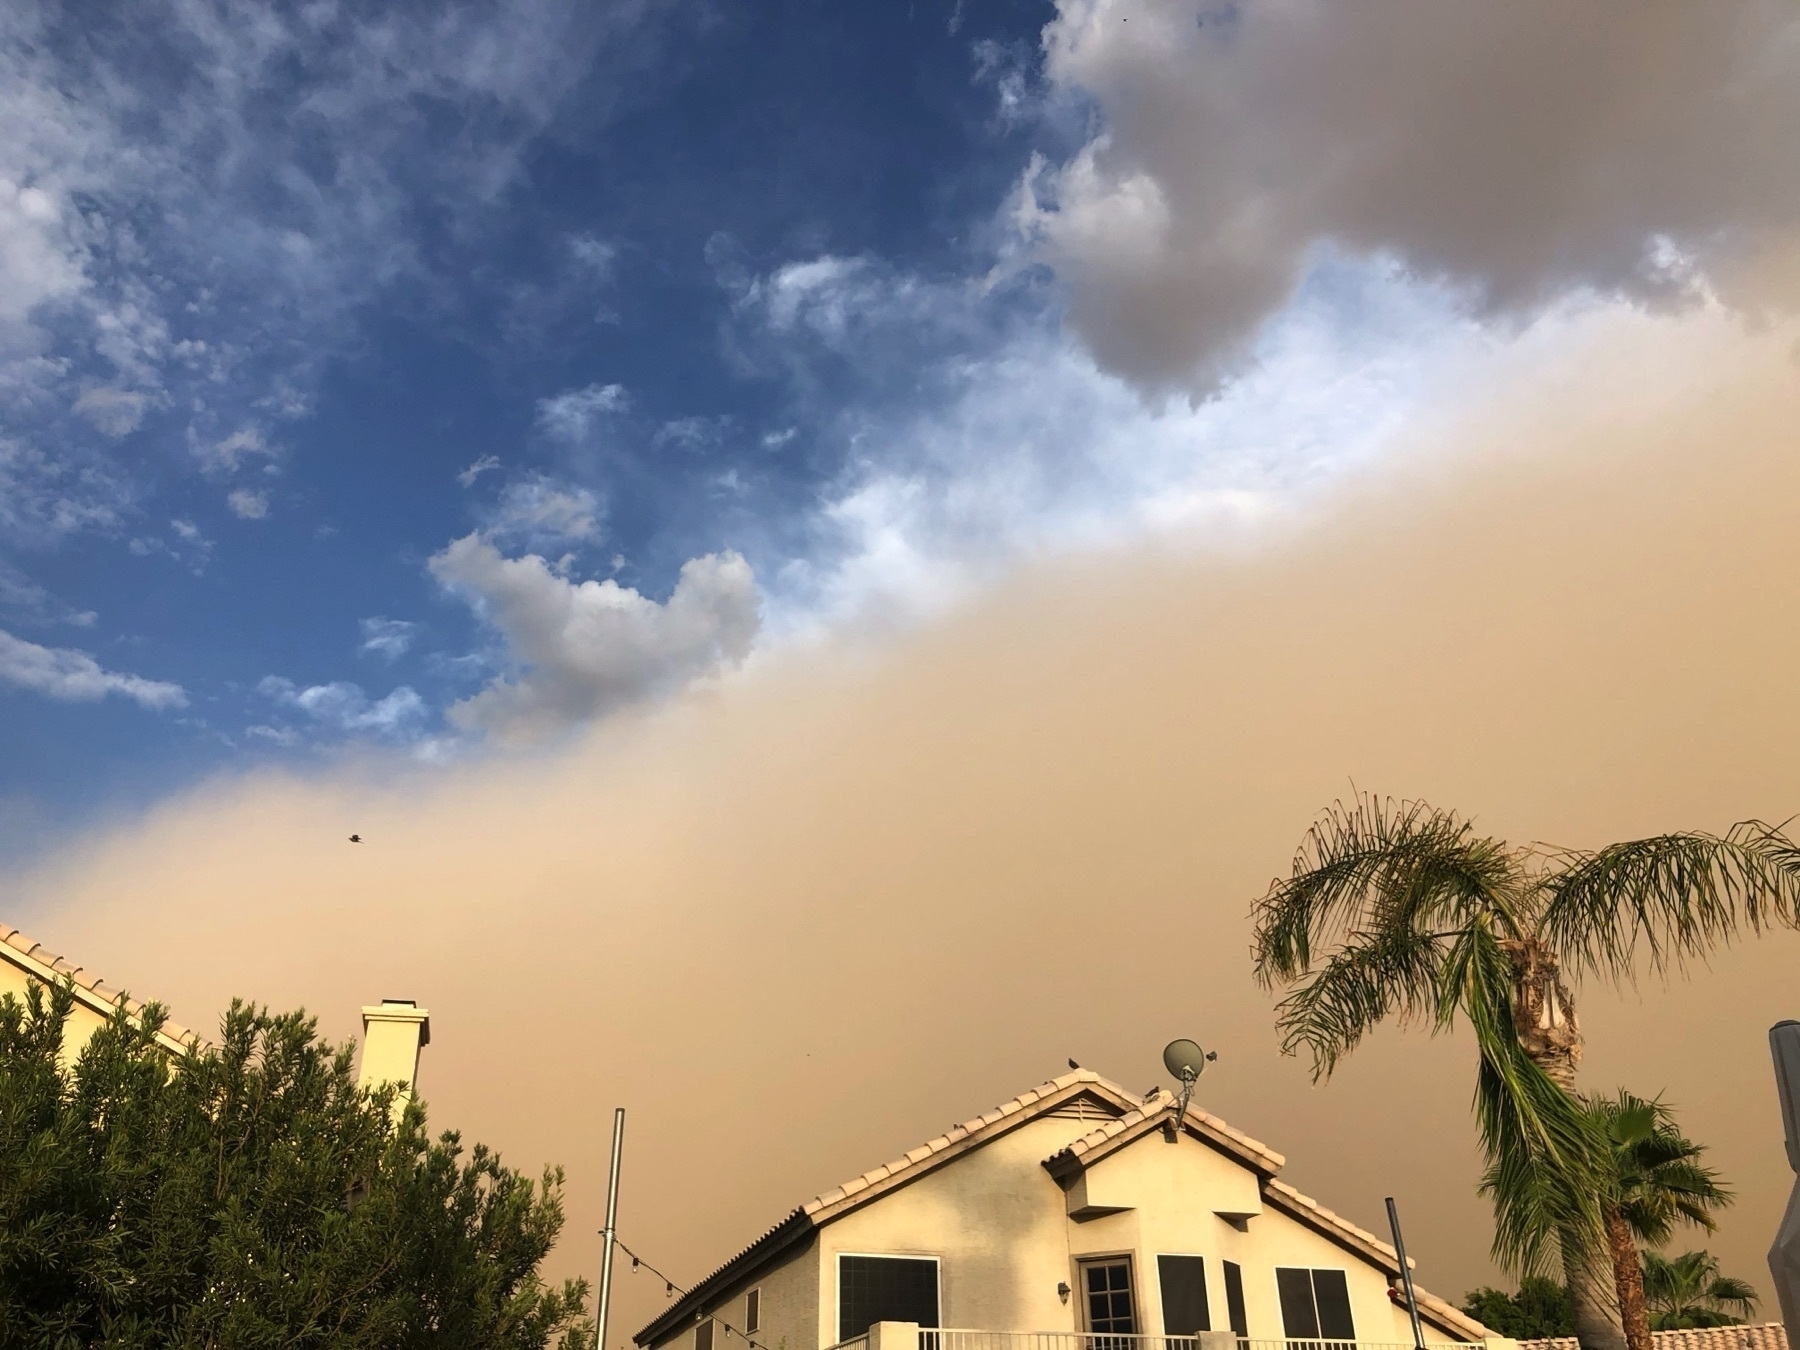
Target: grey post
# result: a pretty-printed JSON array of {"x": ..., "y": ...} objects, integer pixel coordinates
[
  {"x": 610, "y": 1233},
  {"x": 1412, "y": 1299},
  {"x": 1784, "y": 1256}
]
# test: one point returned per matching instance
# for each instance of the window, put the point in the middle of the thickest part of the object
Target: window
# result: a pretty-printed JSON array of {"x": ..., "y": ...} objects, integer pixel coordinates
[
  {"x": 1106, "y": 1285},
  {"x": 1315, "y": 1304},
  {"x": 753, "y": 1310},
  {"x": 703, "y": 1335},
  {"x": 1234, "y": 1298},
  {"x": 1182, "y": 1280},
  {"x": 875, "y": 1289}
]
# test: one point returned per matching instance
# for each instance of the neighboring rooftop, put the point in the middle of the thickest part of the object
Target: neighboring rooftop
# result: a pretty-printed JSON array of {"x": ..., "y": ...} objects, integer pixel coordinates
[
  {"x": 1131, "y": 1117},
  {"x": 42, "y": 964}
]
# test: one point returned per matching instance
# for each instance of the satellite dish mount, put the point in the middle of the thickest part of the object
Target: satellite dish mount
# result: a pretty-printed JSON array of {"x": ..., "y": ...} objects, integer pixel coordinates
[{"x": 1186, "y": 1061}]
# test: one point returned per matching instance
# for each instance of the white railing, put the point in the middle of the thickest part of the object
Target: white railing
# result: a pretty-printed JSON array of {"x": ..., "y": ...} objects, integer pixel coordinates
[
  {"x": 854, "y": 1343},
  {"x": 958, "y": 1338}
]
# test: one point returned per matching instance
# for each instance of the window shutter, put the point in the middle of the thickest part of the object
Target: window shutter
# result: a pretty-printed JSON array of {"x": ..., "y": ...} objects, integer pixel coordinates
[{"x": 1182, "y": 1280}]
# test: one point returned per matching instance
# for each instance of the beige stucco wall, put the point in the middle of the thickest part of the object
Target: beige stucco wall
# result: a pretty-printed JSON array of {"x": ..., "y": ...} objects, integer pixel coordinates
[
  {"x": 999, "y": 1225},
  {"x": 83, "y": 1020}
]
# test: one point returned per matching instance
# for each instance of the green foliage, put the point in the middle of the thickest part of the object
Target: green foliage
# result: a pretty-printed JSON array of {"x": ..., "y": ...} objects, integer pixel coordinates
[
  {"x": 252, "y": 1196},
  {"x": 1688, "y": 1291},
  {"x": 1658, "y": 1179},
  {"x": 1539, "y": 1310},
  {"x": 1401, "y": 911}
]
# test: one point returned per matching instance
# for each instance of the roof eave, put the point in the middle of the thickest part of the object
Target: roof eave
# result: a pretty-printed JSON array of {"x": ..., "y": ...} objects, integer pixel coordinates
[{"x": 796, "y": 1228}]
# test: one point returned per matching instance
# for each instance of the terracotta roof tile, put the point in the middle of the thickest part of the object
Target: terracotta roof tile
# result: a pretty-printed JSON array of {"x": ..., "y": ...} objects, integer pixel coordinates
[{"x": 43, "y": 964}]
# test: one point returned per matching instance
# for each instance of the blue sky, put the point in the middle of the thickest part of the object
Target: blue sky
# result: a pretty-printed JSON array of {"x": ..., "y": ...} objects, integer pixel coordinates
[{"x": 428, "y": 377}]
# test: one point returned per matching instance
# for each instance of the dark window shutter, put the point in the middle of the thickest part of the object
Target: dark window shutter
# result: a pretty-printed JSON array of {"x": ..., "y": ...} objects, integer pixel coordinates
[
  {"x": 1332, "y": 1292},
  {"x": 875, "y": 1289},
  {"x": 703, "y": 1335},
  {"x": 1183, "y": 1283},
  {"x": 1234, "y": 1298},
  {"x": 1299, "y": 1319},
  {"x": 753, "y": 1310}
]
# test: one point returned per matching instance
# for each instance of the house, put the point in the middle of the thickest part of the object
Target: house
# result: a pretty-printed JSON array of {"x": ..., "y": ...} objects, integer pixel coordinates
[
  {"x": 1074, "y": 1209},
  {"x": 394, "y": 1030}
]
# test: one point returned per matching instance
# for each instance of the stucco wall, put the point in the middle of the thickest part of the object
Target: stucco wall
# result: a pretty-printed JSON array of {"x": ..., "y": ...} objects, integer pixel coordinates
[
  {"x": 1000, "y": 1227},
  {"x": 83, "y": 1020}
]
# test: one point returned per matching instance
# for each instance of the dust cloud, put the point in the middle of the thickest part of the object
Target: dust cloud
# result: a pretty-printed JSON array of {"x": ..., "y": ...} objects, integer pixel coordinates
[{"x": 806, "y": 918}]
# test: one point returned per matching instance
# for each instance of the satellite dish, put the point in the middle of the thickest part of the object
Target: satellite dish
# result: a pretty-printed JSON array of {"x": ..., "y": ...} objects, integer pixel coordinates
[{"x": 1185, "y": 1059}]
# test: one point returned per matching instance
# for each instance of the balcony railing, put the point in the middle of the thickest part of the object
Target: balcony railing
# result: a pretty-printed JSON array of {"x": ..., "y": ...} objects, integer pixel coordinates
[{"x": 899, "y": 1336}]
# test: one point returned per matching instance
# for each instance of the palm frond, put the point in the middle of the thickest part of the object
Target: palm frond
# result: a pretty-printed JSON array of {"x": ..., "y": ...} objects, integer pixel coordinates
[
  {"x": 1370, "y": 978},
  {"x": 1672, "y": 897},
  {"x": 1546, "y": 1152},
  {"x": 1377, "y": 865}
]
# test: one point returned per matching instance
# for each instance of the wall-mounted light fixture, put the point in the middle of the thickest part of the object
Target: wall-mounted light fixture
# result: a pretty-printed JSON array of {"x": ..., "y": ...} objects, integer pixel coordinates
[{"x": 1062, "y": 1290}]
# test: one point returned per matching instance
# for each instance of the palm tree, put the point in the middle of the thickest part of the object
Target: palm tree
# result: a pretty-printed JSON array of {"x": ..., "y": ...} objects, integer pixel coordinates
[
  {"x": 1400, "y": 910},
  {"x": 1658, "y": 1181},
  {"x": 1689, "y": 1292}
]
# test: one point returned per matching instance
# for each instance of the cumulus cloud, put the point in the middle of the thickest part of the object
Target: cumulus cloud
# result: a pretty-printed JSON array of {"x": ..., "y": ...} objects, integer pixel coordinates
[
  {"x": 388, "y": 638},
  {"x": 72, "y": 676},
  {"x": 572, "y": 414},
  {"x": 581, "y": 649},
  {"x": 343, "y": 707},
  {"x": 1518, "y": 150},
  {"x": 247, "y": 505}
]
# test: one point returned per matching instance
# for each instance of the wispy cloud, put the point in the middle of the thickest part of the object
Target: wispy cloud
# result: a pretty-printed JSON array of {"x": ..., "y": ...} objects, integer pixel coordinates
[
  {"x": 572, "y": 415},
  {"x": 246, "y": 504},
  {"x": 388, "y": 638},
  {"x": 486, "y": 464},
  {"x": 343, "y": 707},
  {"x": 72, "y": 676},
  {"x": 543, "y": 511},
  {"x": 196, "y": 197}
]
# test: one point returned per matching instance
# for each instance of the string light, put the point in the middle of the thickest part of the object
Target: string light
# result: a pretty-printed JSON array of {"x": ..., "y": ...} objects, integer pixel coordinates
[{"x": 670, "y": 1288}]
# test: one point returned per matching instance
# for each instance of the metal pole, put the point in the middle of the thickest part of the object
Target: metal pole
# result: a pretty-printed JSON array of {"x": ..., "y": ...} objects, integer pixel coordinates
[
  {"x": 1784, "y": 1255},
  {"x": 1412, "y": 1299},
  {"x": 610, "y": 1233}
]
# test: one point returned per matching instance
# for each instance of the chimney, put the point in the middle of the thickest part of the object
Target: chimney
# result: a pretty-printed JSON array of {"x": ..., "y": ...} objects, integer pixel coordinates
[{"x": 394, "y": 1031}]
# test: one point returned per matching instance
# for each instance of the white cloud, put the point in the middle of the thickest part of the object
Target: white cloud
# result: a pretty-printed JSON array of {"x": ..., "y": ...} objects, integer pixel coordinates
[
  {"x": 228, "y": 454},
  {"x": 579, "y": 650},
  {"x": 541, "y": 511},
  {"x": 1010, "y": 440},
  {"x": 71, "y": 676},
  {"x": 468, "y": 476},
  {"x": 117, "y": 412},
  {"x": 344, "y": 707},
  {"x": 199, "y": 198},
  {"x": 691, "y": 433},
  {"x": 388, "y": 638},
  {"x": 571, "y": 415},
  {"x": 248, "y": 505},
  {"x": 1521, "y": 150}
]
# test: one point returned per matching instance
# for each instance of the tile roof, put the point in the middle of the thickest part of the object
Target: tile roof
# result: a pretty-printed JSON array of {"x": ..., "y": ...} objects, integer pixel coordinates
[
  {"x": 1138, "y": 1116},
  {"x": 90, "y": 991},
  {"x": 1145, "y": 1116},
  {"x": 1310, "y": 1212},
  {"x": 1762, "y": 1336}
]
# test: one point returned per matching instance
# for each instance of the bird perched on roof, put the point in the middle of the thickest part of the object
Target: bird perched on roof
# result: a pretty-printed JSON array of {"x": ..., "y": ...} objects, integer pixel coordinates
[
  {"x": 1074, "y": 1065},
  {"x": 356, "y": 839}
]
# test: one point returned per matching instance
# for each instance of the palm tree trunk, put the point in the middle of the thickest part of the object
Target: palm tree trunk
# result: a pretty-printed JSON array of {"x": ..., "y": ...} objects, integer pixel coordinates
[
  {"x": 1549, "y": 1032},
  {"x": 1628, "y": 1280}
]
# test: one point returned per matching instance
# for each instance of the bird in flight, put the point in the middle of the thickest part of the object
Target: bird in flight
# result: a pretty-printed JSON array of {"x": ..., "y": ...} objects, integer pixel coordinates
[
  {"x": 356, "y": 839},
  {"x": 1074, "y": 1065}
]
